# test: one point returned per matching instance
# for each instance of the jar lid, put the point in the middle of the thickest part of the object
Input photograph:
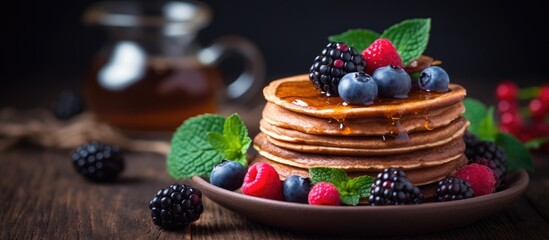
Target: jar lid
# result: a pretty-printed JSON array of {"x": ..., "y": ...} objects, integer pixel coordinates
[{"x": 186, "y": 16}]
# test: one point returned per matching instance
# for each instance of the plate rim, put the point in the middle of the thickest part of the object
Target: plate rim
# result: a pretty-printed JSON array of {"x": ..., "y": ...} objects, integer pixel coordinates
[{"x": 464, "y": 212}]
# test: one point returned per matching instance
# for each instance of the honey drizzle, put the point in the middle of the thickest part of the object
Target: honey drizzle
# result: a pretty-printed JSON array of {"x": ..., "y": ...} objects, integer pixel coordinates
[{"x": 302, "y": 93}]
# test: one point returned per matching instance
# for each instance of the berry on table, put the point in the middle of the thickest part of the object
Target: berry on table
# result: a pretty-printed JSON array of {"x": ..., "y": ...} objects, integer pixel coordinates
[
  {"x": 392, "y": 81},
  {"x": 480, "y": 177},
  {"x": 392, "y": 187},
  {"x": 324, "y": 193},
  {"x": 67, "y": 105},
  {"x": 433, "y": 79},
  {"x": 262, "y": 180},
  {"x": 98, "y": 162},
  {"x": 228, "y": 175},
  {"x": 176, "y": 206},
  {"x": 358, "y": 88},
  {"x": 296, "y": 189},
  {"x": 450, "y": 189},
  {"x": 335, "y": 60},
  {"x": 380, "y": 54}
]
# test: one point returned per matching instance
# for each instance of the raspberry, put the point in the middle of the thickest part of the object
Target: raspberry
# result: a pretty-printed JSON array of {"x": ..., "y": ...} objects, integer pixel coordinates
[
  {"x": 498, "y": 174},
  {"x": 507, "y": 90},
  {"x": 392, "y": 187},
  {"x": 490, "y": 151},
  {"x": 335, "y": 60},
  {"x": 176, "y": 206},
  {"x": 98, "y": 162},
  {"x": 262, "y": 180},
  {"x": 324, "y": 193},
  {"x": 380, "y": 54},
  {"x": 480, "y": 177},
  {"x": 450, "y": 189}
]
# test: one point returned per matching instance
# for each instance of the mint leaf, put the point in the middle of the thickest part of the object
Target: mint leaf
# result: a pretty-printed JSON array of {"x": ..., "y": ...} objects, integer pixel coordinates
[
  {"x": 536, "y": 143},
  {"x": 223, "y": 145},
  {"x": 190, "y": 153},
  {"x": 359, "y": 39},
  {"x": 518, "y": 155},
  {"x": 475, "y": 111},
  {"x": 218, "y": 141},
  {"x": 354, "y": 189},
  {"x": 410, "y": 38},
  {"x": 481, "y": 118},
  {"x": 350, "y": 190},
  {"x": 331, "y": 175},
  {"x": 488, "y": 129},
  {"x": 234, "y": 142}
]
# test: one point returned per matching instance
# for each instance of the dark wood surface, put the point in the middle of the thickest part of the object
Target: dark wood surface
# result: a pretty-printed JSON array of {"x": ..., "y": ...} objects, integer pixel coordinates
[{"x": 44, "y": 198}]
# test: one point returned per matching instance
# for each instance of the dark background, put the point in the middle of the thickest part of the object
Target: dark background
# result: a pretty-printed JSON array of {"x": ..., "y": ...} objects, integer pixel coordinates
[{"x": 47, "y": 47}]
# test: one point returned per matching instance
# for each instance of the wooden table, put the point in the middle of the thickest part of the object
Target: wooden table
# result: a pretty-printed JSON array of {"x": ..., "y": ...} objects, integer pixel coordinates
[{"x": 44, "y": 198}]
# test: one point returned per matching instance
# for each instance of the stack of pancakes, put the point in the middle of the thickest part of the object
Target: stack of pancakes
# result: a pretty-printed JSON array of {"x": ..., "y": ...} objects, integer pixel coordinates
[{"x": 421, "y": 134}]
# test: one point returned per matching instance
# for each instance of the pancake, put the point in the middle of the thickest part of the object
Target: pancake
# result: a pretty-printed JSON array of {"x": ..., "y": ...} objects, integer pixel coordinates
[
  {"x": 353, "y": 145},
  {"x": 436, "y": 118},
  {"x": 421, "y": 176},
  {"x": 297, "y": 94},
  {"x": 410, "y": 160}
]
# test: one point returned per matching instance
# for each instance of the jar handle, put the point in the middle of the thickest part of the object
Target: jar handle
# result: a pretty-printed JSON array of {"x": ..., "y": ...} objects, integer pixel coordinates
[{"x": 251, "y": 79}]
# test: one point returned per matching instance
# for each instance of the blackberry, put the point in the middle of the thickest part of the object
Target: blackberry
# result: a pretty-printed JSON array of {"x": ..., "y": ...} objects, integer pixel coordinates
[
  {"x": 490, "y": 151},
  {"x": 470, "y": 141},
  {"x": 176, "y": 206},
  {"x": 450, "y": 189},
  {"x": 392, "y": 187},
  {"x": 98, "y": 162},
  {"x": 68, "y": 105},
  {"x": 335, "y": 60}
]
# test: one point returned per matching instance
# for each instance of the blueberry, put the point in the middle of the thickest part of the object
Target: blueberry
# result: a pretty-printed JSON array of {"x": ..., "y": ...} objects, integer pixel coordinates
[
  {"x": 296, "y": 189},
  {"x": 392, "y": 81},
  {"x": 357, "y": 88},
  {"x": 228, "y": 175},
  {"x": 433, "y": 79}
]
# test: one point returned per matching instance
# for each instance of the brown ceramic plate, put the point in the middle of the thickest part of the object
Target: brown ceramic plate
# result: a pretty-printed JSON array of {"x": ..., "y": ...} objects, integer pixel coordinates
[{"x": 373, "y": 220}]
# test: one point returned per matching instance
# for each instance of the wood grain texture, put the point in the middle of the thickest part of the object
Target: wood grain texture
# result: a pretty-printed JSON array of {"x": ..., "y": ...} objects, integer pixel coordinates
[{"x": 43, "y": 197}]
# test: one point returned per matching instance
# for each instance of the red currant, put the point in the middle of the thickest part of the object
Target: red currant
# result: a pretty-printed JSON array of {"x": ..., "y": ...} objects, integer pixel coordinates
[
  {"x": 544, "y": 94},
  {"x": 506, "y": 90},
  {"x": 507, "y": 106},
  {"x": 538, "y": 108}
]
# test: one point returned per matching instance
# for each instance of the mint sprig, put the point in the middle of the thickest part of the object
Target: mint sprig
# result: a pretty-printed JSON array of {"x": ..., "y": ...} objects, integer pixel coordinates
[
  {"x": 360, "y": 39},
  {"x": 410, "y": 38},
  {"x": 351, "y": 190},
  {"x": 193, "y": 154},
  {"x": 485, "y": 128},
  {"x": 234, "y": 142}
]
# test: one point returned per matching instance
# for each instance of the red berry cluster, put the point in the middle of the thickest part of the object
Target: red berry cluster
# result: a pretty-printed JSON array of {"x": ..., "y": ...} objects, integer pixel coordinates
[
  {"x": 508, "y": 108},
  {"x": 534, "y": 124}
]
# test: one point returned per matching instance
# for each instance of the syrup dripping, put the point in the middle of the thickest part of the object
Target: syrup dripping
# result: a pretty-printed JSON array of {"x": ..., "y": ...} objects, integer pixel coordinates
[
  {"x": 344, "y": 129},
  {"x": 397, "y": 133},
  {"x": 427, "y": 124}
]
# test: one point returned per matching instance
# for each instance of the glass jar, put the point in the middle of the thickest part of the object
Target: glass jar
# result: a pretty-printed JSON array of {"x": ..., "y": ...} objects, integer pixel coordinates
[{"x": 151, "y": 74}]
